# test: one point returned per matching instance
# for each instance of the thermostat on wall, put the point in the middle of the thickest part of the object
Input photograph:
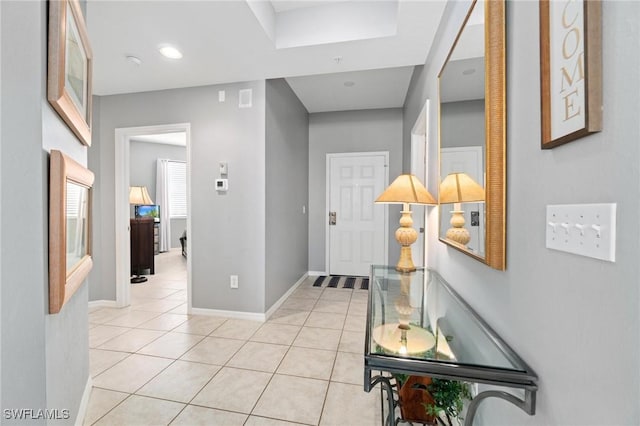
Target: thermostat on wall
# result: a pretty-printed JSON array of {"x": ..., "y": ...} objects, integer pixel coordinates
[{"x": 222, "y": 184}]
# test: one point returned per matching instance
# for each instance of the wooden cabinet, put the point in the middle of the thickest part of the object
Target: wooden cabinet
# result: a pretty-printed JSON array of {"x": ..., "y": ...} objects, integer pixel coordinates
[{"x": 142, "y": 245}]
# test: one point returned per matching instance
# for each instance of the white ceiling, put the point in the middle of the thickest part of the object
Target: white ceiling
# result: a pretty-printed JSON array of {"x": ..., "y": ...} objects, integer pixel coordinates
[
  {"x": 225, "y": 41},
  {"x": 384, "y": 88},
  {"x": 285, "y": 5},
  {"x": 462, "y": 79}
]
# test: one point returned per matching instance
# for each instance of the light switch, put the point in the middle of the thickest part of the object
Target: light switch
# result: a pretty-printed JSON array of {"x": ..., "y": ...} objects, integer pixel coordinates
[
  {"x": 583, "y": 229},
  {"x": 221, "y": 95}
]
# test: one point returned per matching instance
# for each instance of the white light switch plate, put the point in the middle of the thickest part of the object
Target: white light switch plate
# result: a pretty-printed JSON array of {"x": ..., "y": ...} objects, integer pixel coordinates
[{"x": 583, "y": 229}]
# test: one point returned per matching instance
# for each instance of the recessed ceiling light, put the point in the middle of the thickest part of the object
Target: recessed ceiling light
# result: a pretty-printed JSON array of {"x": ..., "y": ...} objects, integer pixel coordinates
[
  {"x": 468, "y": 71},
  {"x": 170, "y": 52},
  {"x": 134, "y": 60},
  {"x": 349, "y": 84}
]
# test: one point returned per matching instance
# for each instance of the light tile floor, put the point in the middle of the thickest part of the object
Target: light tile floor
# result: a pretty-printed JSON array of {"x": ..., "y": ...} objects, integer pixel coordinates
[{"x": 152, "y": 364}]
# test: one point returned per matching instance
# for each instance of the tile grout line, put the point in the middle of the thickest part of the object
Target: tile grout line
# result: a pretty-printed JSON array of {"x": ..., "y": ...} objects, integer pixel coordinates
[
  {"x": 114, "y": 407},
  {"x": 289, "y": 346}
]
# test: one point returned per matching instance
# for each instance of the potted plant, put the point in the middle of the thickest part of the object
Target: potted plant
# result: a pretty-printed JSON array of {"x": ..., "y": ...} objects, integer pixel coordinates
[
  {"x": 448, "y": 399},
  {"x": 431, "y": 401},
  {"x": 413, "y": 398}
]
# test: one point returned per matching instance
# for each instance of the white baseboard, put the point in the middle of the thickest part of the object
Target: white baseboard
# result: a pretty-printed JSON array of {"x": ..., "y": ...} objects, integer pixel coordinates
[
  {"x": 316, "y": 273},
  {"x": 103, "y": 304},
  {"x": 252, "y": 316},
  {"x": 280, "y": 301},
  {"x": 84, "y": 402}
]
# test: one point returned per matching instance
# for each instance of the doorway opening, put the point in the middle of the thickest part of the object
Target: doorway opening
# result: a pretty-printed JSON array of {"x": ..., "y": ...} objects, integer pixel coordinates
[{"x": 123, "y": 139}]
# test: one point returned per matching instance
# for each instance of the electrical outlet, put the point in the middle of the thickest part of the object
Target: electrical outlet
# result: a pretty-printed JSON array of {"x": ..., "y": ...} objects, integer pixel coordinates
[{"x": 233, "y": 281}]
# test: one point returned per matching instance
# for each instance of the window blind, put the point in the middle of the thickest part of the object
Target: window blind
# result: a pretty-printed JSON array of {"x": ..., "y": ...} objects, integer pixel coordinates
[
  {"x": 74, "y": 194},
  {"x": 177, "y": 177}
]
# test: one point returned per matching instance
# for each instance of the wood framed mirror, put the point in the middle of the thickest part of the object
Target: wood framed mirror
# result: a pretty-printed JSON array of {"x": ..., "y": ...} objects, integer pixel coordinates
[
  {"x": 472, "y": 136},
  {"x": 69, "y": 228}
]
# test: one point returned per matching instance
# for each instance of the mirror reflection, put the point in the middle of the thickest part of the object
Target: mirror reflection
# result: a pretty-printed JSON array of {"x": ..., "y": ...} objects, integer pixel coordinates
[
  {"x": 462, "y": 138},
  {"x": 77, "y": 200}
]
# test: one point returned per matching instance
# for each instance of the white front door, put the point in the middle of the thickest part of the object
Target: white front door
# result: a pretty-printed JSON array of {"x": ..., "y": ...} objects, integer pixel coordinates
[
  {"x": 469, "y": 160},
  {"x": 357, "y": 226}
]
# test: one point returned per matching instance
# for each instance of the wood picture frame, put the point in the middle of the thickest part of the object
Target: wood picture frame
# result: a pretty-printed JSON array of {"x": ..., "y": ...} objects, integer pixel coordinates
[
  {"x": 495, "y": 132},
  {"x": 69, "y": 71},
  {"x": 570, "y": 70},
  {"x": 70, "y": 191}
]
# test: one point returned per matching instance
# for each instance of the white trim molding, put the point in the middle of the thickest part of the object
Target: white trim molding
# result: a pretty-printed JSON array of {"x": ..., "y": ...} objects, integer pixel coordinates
[
  {"x": 284, "y": 297},
  {"x": 84, "y": 402},
  {"x": 251, "y": 316},
  {"x": 316, "y": 273},
  {"x": 103, "y": 304},
  {"x": 121, "y": 203}
]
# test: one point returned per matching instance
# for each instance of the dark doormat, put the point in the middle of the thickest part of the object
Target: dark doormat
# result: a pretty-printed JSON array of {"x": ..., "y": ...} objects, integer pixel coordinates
[{"x": 341, "y": 281}]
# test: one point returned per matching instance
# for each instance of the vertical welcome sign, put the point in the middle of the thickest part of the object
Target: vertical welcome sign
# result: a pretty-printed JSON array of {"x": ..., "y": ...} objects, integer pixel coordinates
[{"x": 571, "y": 70}]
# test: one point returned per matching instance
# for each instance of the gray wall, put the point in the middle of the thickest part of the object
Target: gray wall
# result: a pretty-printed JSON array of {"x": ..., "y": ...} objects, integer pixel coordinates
[
  {"x": 349, "y": 131},
  {"x": 463, "y": 123},
  {"x": 143, "y": 170},
  {"x": 287, "y": 183},
  {"x": 45, "y": 358},
  {"x": 574, "y": 320},
  {"x": 228, "y": 229},
  {"x": 1, "y": 245}
]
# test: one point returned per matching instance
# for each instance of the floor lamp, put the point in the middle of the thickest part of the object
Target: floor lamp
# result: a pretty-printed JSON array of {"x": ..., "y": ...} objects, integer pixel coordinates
[
  {"x": 458, "y": 188},
  {"x": 138, "y": 195},
  {"x": 406, "y": 190}
]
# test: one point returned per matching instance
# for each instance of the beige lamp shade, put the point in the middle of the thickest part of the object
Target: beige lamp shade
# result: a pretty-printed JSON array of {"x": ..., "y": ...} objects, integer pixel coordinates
[
  {"x": 460, "y": 188},
  {"x": 139, "y": 195},
  {"x": 406, "y": 189}
]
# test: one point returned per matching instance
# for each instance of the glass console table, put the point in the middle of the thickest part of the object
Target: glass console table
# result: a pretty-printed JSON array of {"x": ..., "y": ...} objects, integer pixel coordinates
[{"x": 418, "y": 325}]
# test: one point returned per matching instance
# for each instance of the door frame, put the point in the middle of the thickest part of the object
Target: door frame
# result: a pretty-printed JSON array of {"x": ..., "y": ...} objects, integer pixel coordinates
[
  {"x": 122, "y": 209},
  {"x": 420, "y": 145},
  {"x": 327, "y": 229}
]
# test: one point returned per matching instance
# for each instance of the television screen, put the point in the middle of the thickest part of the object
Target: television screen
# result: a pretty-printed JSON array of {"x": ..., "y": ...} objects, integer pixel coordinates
[{"x": 148, "y": 211}]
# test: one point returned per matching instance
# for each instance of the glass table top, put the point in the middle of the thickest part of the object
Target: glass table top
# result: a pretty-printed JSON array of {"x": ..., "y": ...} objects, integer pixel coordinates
[{"x": 417, "y": 323}]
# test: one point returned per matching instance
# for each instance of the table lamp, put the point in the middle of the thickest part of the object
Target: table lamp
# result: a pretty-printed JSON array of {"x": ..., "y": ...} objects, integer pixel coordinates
[
  {"x": 406, "y": 190},
  {"x": 459, "y": 188},
  {"x": 138, "y": 195}
]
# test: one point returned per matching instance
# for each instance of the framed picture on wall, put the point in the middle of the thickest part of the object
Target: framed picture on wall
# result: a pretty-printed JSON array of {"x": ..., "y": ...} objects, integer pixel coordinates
[
  {"x": 570, "y": 70},
  {"x": 69, "y": 67},
  {"x": 70, "y": 192}
]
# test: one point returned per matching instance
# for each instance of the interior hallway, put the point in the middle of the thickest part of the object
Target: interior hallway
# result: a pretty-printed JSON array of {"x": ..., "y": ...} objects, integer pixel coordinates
[{"x": 152, "y": 364}]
